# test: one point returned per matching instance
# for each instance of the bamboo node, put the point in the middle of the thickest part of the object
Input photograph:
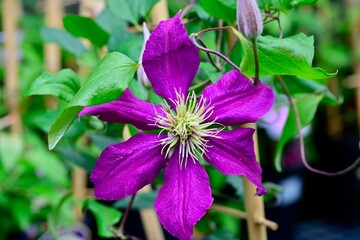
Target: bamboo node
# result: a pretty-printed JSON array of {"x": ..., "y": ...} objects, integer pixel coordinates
[{"x": 267, "y": 223}]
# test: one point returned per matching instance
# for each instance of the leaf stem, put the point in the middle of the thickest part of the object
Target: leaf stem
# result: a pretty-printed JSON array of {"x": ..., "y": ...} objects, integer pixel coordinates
[
  {"x": 186, "y": 9},
  {"x": 231, "y": 49},
  {"x": 209, "y": 56},
  {"x": 199, "y": 33},
  {"x": 256, "y": 60},
  {"x": 193, "y": 39},
  {"x": 120, "y": 232},
  {"x": 219, "y": 39},
  {"x": 280, "y": 27},
  {"x": 199, "y": 85},
  {"x": 301, "y": 138}
]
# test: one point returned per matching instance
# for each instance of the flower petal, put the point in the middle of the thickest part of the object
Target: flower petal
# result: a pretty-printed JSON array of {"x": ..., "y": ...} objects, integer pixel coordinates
[
  {"x": 124, "y": 168},
  {"x": 237, "y": 101},
  {"x": 170, "y": 59},
  {"x": 126, "y": 109},
  {"x": 184, "y": 198},
  {"x": 233, "y": 153}
]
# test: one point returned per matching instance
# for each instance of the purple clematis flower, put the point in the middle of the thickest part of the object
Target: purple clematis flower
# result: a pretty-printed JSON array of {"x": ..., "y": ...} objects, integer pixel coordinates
[{"x": 191, "y": 128}]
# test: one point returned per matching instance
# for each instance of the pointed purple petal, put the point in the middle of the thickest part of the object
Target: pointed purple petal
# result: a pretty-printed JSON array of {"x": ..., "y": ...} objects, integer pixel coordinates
[
  {"x": 184, "y": 198},
  {"x": 122, "y": 169},
  {"x": 237, "y": 101},
  {"x": 170, "y": 59},
  {"x": 233, "y": 153},
  {"x": 126, "y": 109}
]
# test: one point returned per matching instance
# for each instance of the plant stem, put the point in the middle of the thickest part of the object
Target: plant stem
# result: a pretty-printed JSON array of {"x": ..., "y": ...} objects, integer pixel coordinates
[
  {"x": 186, "y": 9},
  {"x": 126, "y": 214},
  {"x": 301, "y": 138},
  {"x": 209, "y": 56},
  {"x": 280, "y": 27},
  {"x": 218, "y": 42},
  {"x": 193, "y": 39},
  {"x": 231, "y": 49},
  {"x": 199, "y": 85},
  {"x": 256, "y": 60},
  {"x": 199, "y": 33}
]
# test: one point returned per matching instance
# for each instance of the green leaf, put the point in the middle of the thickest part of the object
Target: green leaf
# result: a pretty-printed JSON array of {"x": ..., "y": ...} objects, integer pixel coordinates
[
  {"x": 264, "y": 4},
  {"x": 298, "y": 86},
  {"x": 53, "y": 217},
  {"x": 105, "y": 84},
  {"x": 46, "y": 163},
  {"x": 283, "y": 5},
  {"x": 105, "y": 217},
  {"x": 138, "y": 90},
  {"x": 130, "y": 47},
  {"x": 62, "y": 124},
  {"x": 21, "y": 210},
  {"x": 78, "y": 157},
  {"x": 307, "y": 105},
  {"x": 11, "y": 149},
  {"x": 63, "y": 84},
  {"x": 297, "y": 3},
  {"x": 103, "y": 141},
  {"x": 144, "y": 200},
  {"x": 131, "y": 10},
  {"x": 237, "y": 183},
  {"x": 288, "y": 56},
  {"x": 63, "y": 39},
  {"x": 221, "y": 9},
  {"x": 80, "y": 26},
  {"x": 211, "y": 71}
]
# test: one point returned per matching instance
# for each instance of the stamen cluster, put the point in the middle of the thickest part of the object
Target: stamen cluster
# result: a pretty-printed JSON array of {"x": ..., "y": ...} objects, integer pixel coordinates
[{"x": 187, "y": 127}]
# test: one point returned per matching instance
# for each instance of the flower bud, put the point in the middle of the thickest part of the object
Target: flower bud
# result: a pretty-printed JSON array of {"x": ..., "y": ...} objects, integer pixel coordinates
[
  {"x": 142, "y": 77},
  {"x": 249, "y": 18}
]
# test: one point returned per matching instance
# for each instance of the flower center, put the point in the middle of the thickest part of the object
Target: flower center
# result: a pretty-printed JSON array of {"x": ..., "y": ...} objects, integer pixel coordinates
[{"x": 186, "y": 127}]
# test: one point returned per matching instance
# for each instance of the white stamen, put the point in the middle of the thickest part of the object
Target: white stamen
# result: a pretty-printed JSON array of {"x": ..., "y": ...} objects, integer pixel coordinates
[{"x": 186, "y": 127}]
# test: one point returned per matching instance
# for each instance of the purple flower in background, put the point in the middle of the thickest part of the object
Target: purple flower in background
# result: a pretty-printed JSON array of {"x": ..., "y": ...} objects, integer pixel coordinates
[{"x": 191, "y": 129}]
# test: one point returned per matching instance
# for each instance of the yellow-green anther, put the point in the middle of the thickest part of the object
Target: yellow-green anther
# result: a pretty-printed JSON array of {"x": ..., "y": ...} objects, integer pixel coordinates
[{"x": 186, "y": 127}]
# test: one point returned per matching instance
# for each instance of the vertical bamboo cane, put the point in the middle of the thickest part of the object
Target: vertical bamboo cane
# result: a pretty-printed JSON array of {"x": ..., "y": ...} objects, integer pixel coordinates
[
  {"x": 256, "y": 222},
  {"x": 254, "y": 205},
  {"x": 53, "y": 18},
  {"x": 52, "y": 53},
  {"x": 10, "y": 17},
  {"x": 159, "y": 12}
]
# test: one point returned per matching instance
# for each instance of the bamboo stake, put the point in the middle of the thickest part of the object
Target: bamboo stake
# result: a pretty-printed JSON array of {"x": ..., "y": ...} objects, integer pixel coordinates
[
  {"x": 152, "y": 227},
  {"x": 11, "y": 9},
  {"x": 53, "y": 18},
  {"x": 243, "y": 215},
  {"x": 53, "y": 10},
  {"x": 254, "y": 205},
  {"x": 159, "y": 12}
]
